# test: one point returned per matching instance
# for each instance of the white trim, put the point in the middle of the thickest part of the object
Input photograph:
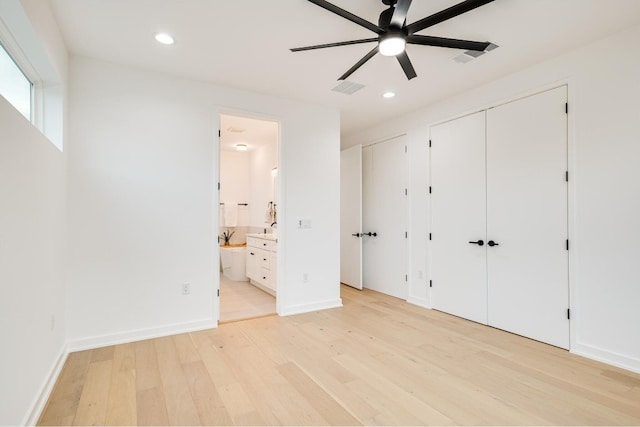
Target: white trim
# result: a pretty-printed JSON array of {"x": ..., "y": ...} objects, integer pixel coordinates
[
  {"x": 139, "y": 335},
  {"x": 47, "y": 387},
  {"x": 608, "y": 357},
  {"x": 306, "y": 308},
  {"x": 380, "y": 141}
]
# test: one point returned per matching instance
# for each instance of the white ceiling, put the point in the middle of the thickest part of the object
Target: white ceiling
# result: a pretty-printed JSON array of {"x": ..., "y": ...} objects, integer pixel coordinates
[
  {"x": 245, "y": 44},
  {"x": 251, "y": 132}
]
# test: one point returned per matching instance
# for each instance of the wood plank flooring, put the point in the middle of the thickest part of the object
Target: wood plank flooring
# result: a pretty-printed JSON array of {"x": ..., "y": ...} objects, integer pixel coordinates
[{"x": 376, "y": 361}]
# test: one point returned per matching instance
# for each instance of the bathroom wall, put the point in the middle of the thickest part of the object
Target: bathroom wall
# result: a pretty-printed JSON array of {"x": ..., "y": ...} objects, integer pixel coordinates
[
  {"x": 234, "y": 188},
  {"x": 261, "y": 161}
]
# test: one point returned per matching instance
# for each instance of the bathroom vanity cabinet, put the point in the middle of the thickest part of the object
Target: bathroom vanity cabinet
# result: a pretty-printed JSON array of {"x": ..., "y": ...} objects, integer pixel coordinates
[{"x": 262, "y": 261}]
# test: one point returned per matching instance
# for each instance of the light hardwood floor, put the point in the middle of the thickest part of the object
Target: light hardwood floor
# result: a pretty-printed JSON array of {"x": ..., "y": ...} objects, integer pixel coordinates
[
  {"x": 242, "y": 300},
  {"x": 377, "y": 360}
]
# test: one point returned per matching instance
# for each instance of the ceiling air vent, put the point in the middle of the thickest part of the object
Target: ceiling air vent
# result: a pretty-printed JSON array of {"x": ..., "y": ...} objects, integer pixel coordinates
[
  {"x": 234, "y": 129},
  {"x": 347, "y": 87},
  {"x": 470, "y": 55}
]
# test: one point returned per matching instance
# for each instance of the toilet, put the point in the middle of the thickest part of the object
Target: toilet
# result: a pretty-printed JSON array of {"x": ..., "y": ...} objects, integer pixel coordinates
[{"x": 233, "y": 261}]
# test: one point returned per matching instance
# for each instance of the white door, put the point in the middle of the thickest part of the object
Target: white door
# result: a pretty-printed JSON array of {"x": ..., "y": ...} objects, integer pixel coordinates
[
  {"x": 351, "y": 216},
  {"x": 458, "y": 217},
  {"x": 385, "y": 214},
  {"x": 528, "y": 289}
]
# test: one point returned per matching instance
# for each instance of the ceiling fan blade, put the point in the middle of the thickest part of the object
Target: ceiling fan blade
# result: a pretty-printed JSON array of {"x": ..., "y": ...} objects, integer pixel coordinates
[
  {"x": 322, "y": 46},
  {"x": 400, "y": 13},
  {"x": 347, "y": 15},
  {"x": 360, "y": 63},
  {"x": 407, "y": 67},
  {"x": 445, "y": 42},
  {"x": 446, "y": 14}
]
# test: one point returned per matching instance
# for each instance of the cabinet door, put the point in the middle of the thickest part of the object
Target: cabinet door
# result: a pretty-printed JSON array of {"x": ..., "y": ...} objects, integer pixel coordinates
[
  {"x": 458, "y": 209},
  {"x": 252, "y": 263},
  {"x": 527, "y": 216}
]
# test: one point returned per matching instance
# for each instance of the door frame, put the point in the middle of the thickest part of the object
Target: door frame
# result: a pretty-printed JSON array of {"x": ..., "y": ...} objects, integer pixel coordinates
[
  {"x": 572, "y": 168},
  {"x": 216, "y": 202}
]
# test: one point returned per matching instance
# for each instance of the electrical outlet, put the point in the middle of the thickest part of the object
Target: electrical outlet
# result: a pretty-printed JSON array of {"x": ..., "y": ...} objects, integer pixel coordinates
[
  {"x": 305, "y": 277},
  {"x": 186, "y": 289}
]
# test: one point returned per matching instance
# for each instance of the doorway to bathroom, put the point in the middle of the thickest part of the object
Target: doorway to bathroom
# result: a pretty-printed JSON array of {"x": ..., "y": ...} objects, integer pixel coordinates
[{"x": 248, "y": 217}]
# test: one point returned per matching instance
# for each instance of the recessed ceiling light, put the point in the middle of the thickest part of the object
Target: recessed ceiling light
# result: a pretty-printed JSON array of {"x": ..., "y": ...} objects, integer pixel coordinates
[
  {"x": 388, "y": 94},
  {"x": 241, "y": 147},
  {"x": 164, "y": 38}
]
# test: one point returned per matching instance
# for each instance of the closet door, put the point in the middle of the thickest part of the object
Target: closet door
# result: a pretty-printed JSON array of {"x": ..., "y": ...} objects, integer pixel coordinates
[
  {"x": 527, "y": 217},
  {"x": 351, "y": 216},
  {"x": 384, "y": 168},
  {"x": 458, "y": 217}
]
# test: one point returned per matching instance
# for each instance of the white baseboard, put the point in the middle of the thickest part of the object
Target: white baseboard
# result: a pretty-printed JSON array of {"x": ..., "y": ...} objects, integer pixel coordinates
[
  {"x": 46, "y": 388},
  {"x": 421, "y": 302},
  {"x": 138, "y": 335},
  {"x": 306, "y": 308},
  {"x": 608, "y": 357}
]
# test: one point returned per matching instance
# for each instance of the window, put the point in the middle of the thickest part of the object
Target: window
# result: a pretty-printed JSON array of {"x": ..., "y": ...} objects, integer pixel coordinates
[{"x": 14, "y": 85}]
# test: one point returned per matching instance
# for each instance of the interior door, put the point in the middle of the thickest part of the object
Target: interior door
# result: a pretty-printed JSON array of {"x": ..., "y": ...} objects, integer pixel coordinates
[
  {"x": 528, "y": 289},
  {"x": 458, "y": 218},
  {"x": 351, "y": 216},
  {"x": 385, "y": 214}
]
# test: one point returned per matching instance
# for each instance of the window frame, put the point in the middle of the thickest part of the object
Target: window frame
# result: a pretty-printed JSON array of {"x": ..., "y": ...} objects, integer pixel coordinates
[{"x": 25, "y": 74}]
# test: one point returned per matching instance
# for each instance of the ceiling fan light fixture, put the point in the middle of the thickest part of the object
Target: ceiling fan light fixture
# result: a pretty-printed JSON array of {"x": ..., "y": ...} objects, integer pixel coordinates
[
  {"x": 391, "y": 44},
  {"x": 388, "y": 94}
]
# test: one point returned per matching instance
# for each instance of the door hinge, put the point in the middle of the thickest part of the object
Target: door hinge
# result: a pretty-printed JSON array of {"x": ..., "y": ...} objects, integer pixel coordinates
[
  {"x": 566, "y": 108},
  {"x": 218, "y": 239},
  {"x": 430, "y": 284},
  {"x": 406, "y": 193},
  {"x": 567, "y": 244},
  {"x": 406, "y": 277},
  {"x": 429, "y": 189},
  {"x": 405, "y": 148},
  {"x": 406, "y": 234},
  {"x": 566, "y": 176},
  {"x": 568, "y": 313},
  {"x": 429, "y": 143},
  {"x": 429, "y": 236},
  {"x": 219, "y": 133},
  {"x": 218, "y": 292},
  {"x": 218, "y": 186}
]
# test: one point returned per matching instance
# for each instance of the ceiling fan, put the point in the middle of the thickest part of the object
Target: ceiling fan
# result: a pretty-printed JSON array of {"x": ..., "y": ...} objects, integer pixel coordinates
[{"x": 393, "y": 33}]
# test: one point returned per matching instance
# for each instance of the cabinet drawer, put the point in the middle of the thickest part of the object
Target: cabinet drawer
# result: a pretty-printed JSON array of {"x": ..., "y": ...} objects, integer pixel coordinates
[{"x": 264, "y": 259}]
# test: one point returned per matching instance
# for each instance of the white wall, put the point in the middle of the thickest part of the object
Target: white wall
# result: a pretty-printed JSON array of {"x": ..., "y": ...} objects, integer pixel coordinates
[
  {"x": 604, "y": 187},
  {"x": 32, "y": 216},
  {"x": 234, "y": 176},
  {"x": 32, "y": 264},
  {"x": 143, "y": 162},
  {"x": 262, "y": 160}
]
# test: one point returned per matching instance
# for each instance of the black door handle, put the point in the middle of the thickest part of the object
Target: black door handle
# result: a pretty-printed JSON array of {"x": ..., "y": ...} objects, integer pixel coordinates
[
  {"x": 370, "y": 234},
  {"x": 356, "y": 234},
  {"x": 492, "y": 243},
  {"x": 479, "y": 243}
]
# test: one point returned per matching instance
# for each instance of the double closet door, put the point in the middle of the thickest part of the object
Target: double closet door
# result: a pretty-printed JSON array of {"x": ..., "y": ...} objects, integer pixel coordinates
[{"x": 499, "y": 217}]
